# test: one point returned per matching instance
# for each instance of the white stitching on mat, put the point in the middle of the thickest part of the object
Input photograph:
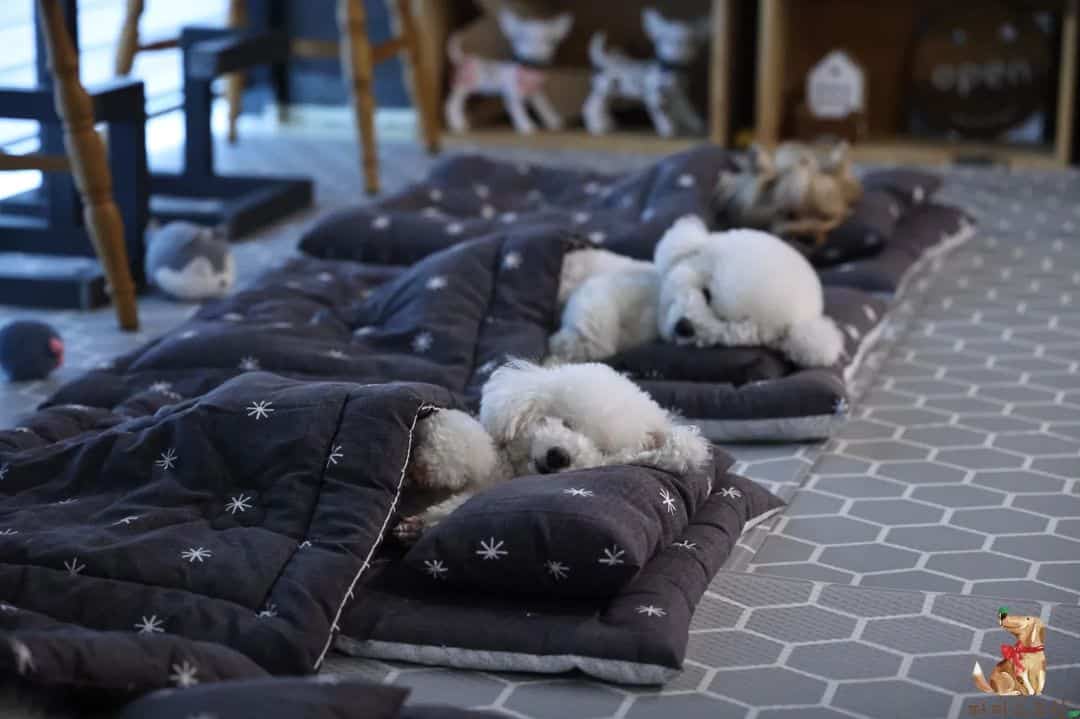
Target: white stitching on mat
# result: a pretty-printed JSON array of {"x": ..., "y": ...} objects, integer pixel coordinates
[{"x": 378, "y": 538}]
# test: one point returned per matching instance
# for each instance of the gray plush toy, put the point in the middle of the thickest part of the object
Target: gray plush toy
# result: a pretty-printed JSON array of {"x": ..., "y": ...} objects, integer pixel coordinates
[{"x": 189, "y": 262}]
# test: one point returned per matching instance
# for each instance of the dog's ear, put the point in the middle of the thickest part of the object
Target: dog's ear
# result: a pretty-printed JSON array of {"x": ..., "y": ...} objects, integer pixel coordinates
[
  {"x": 509, "y": 23},
  {"x": 761, "y": 161},
  {"x": 512, "y": 399},
  {"x": 562, "y": 24},
  {"x": 653, "y": 21},
  {"x": 688, "y": 235},
  {"x": 678, "y": 448},
  {"x": 836, "y": 159},
  {"x": 1038, "y": 634}
]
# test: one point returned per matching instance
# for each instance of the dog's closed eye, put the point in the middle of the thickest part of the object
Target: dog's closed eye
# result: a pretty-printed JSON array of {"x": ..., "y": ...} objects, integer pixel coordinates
[{"x": 707, "y": 294}]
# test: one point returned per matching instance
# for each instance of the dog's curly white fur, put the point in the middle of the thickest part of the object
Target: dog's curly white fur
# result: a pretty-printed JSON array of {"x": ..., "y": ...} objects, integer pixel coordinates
[
  {"x": 736, "y": 288},
  {"x": 544, "y": 420}
]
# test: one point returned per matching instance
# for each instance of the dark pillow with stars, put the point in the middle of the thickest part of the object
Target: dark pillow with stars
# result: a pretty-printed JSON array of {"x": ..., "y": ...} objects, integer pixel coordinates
[{"x": 578, "y": 534}]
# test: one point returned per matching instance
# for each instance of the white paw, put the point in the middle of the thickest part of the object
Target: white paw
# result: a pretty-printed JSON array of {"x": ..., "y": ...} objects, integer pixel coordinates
[{"x": 566, "y": 345}]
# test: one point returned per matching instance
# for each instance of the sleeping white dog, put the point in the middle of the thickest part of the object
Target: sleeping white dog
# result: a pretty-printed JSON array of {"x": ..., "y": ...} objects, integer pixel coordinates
[
  {"x": 544, "y": 420},
  {"x": 735, "y": 288}
]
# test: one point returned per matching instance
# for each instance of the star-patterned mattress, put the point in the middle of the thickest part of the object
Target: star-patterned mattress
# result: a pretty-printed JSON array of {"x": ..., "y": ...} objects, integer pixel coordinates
[
  {"x": 166, "y": 544},
  {"x": 231, "y": 536},
  {"x": 732, "y": 394},
  {"x": 451, "y": 319}
]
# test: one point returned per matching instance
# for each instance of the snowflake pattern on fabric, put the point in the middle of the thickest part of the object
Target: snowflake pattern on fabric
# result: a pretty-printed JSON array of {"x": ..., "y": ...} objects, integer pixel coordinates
[
  {"x": 435, "y": 568},
  {"x": 240, "y": 503},
  {"x": 150, "y": 625},
  {"x": 512, "y": 261},
  {"x": 668, "y": 500},
  {"x": 74, "y": 567},
  {"x": 651, "y": 611},
  {"x": 730, "y": 492},
  {"x": 612, "y": 557},
  {"x": 436, "y": 283},
  {"x": 557, "y": 570},
  {"x": 249, "y": 363},
  {"x": 335, "y": 455},
  {"x": 184, "y": 675},
  {"x": 422, "y": 342},
  {"x": 579, "y": 492},
  {"x": 167, "y": 460},
  {"x": 196, "y": 554},
  {"x": 686, "y": 544},
  {"x": 125, "y": 521},
  {"x": 492, "y": 549},
  {"x": 260, "y": 410}
]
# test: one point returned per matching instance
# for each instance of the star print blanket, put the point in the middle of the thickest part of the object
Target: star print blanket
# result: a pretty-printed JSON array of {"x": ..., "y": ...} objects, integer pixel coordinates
[
  {"x": 454, "y": 317},
  {"x": 732, "y": 394},
  {"x": 163, "y": 543},
  {"x": 892, "y": 229}
]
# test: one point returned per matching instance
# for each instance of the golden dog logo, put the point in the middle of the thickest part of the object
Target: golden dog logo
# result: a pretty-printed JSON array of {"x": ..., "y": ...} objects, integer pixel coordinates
[{"x": 1022, "y": 669}]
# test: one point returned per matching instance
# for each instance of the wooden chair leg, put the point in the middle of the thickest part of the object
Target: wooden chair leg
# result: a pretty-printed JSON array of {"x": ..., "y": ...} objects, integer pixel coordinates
[
  {"x": 86, "y": 153},
  {"x": 356, "y": 67},
  {"x": 128, "y": 42},
  {"x": 234, "y": 82},
  {"x": 423, "y": 82}
]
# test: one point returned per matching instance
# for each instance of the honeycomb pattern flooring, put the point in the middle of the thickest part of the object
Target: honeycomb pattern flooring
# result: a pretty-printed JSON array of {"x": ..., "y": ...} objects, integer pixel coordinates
[{"x": 951, "y": 492}]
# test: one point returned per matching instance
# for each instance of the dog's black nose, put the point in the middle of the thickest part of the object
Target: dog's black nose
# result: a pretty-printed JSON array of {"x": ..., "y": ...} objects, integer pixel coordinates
[
  {"x": 556, "y": 458},
  {"x": 684, "y": 328}
]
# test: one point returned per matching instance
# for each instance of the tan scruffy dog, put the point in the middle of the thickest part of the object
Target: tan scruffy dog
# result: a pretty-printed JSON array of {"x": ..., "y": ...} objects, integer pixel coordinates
[
  {"x": 1022, "y": 671},
  {"x": 800, "y": 190}
]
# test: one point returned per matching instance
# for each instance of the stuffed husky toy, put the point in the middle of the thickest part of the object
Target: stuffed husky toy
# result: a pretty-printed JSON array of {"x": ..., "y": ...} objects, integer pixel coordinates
[
  {"x": 519, "y": 81},
  {"x": 800, "y": 191},
  {"x": 734, "y": 289},
  {"x": 189, "y": 262},
  {"x": 660, "y": 84}
]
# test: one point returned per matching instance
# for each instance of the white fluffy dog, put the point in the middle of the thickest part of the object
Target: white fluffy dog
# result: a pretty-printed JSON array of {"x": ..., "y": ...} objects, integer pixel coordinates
[
  {"x": 736, "y": 288},
  {"x": 543, "y": 420}
]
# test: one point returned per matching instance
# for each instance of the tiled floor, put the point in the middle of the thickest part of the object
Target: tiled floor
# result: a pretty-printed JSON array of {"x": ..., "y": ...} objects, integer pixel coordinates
[{"x": 951, "y": 493}]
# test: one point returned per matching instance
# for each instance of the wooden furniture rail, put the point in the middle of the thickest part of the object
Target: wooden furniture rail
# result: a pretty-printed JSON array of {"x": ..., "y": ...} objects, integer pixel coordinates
[{"x": 87, "y": 160}]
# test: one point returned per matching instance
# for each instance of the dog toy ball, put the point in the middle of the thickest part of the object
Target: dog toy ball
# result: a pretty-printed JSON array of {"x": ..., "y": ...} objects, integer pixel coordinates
[
  {"x": 189, "y": 262},
  {"x": 29, "y": 350}
]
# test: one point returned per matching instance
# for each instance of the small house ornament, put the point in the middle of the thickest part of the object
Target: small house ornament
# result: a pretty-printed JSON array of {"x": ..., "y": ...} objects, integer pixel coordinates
[{"x": 835, "y": 87}]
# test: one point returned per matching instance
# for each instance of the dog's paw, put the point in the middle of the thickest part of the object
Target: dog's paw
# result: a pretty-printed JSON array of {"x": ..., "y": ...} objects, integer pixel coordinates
[
  {"x": 409, "y": 529},
  {"x": 814, "y": 342},
  {"x": 566, "y": 345}
]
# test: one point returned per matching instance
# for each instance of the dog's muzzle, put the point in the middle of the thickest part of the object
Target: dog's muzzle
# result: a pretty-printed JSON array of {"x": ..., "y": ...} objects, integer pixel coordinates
[{"x": 556, "y": 459}]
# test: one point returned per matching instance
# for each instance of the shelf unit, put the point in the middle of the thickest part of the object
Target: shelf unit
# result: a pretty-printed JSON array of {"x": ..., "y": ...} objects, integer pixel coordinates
[
  {"x": 771, "y": 58},
  {"x": 774, "y": 59}
]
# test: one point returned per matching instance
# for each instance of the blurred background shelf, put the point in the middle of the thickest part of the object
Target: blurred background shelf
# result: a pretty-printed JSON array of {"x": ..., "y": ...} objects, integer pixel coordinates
[{"x": 753, "y": 73}]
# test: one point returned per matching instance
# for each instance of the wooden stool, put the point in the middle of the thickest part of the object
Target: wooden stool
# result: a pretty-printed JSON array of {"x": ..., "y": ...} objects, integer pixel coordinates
[
  {"x": 86, "y": 159},
  {"x": 128, "y": 44},
  {"x": 358, "y": 59}
]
